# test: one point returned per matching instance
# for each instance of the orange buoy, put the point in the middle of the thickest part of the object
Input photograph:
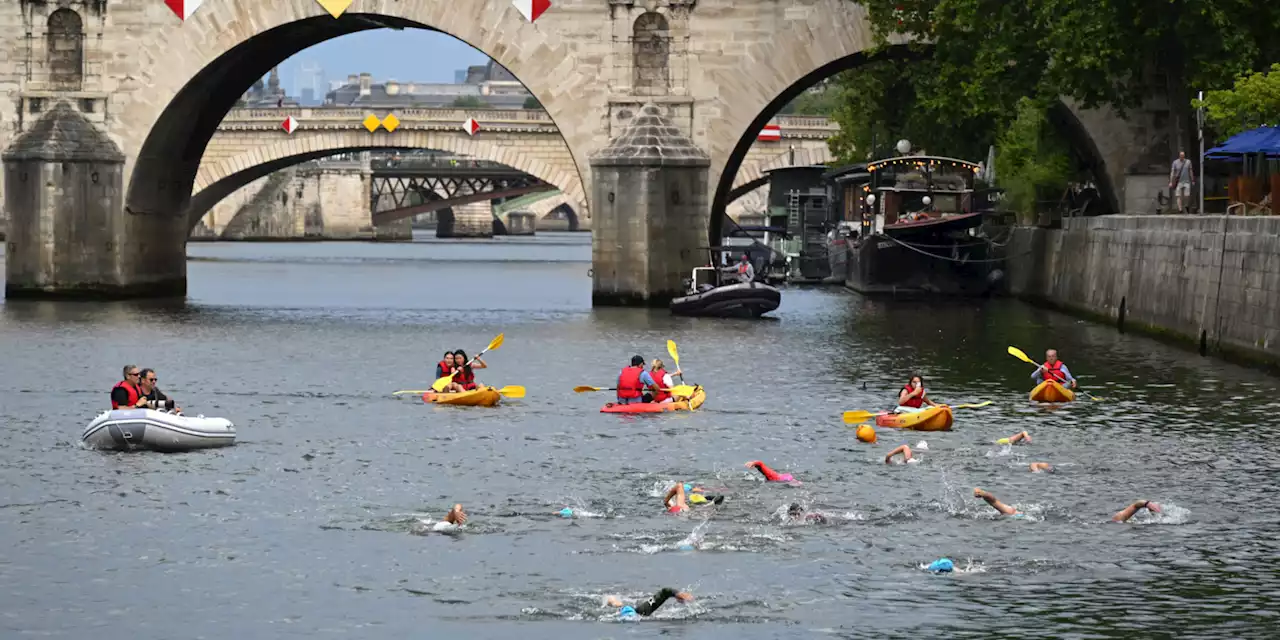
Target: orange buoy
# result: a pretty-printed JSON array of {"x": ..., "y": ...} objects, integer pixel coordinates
[{"x": 866, "y": 433}]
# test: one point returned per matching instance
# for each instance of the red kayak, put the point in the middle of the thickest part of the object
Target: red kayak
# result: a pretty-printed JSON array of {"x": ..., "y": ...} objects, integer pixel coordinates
[{"x": 696, "y": 401}]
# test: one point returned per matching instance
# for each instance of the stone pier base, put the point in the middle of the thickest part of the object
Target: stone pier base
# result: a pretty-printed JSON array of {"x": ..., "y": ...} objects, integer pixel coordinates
[
  {"x": 473, "y": 220},
  {"x": 521, "y": 223}
]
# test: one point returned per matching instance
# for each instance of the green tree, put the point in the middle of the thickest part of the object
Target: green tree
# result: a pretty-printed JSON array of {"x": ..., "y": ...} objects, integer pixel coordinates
[
  {"x": 1030, "y": 160},
  {"x": 1251, "y": 103},
  {"x": 822, "y": 101},
  {"x": 532, "y": 103},
  {"x": 469, "y": 102}
]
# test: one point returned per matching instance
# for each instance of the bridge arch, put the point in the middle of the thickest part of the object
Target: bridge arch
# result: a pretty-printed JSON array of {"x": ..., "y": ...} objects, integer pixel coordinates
[
  {"x": 837, "y": 37},
  {"x": 228, "y": 45},
  {"x": 219, "y": 180}
]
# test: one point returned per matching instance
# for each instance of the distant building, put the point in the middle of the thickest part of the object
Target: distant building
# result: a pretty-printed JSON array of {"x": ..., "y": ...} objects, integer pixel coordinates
[
  {"x": 270, "y": 95},
  {"x": 460, "y": 76},
  {"x": 490, "y": 83}
]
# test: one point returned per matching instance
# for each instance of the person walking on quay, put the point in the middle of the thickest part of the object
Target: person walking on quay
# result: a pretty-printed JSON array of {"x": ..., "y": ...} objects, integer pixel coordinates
[{"x": 1181, "y": 178}]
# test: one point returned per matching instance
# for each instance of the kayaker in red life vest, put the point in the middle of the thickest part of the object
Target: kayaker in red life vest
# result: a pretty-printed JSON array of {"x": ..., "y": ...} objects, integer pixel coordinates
[
  {"x": 465, "y": 378},
  {"x": 632, "y": 382},
  {"x": 1053, "y": 369},
  {"x": 125, "y": 395},
  {"x": 661, "y": 381},
  {"x": 912, "y": 397},
  {"x": 445, "y": 365}
]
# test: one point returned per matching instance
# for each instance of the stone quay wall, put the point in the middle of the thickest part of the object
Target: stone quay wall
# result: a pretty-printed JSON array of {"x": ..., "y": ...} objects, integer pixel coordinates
[{"x": 1212, "y": 282}]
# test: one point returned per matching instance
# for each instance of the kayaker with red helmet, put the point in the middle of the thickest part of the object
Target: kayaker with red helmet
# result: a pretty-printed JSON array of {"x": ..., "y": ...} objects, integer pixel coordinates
[
  {"x": 1053, "y": 369},
  {"x": 632, "y": 382},
  {"x": 912, "y": 398}
]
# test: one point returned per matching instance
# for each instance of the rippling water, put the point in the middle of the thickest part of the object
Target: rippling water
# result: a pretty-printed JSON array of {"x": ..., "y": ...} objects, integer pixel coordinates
[{"x": 309, "y": 526}]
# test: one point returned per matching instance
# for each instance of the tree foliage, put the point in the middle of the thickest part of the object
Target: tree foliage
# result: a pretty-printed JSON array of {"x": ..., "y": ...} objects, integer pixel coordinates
[
  {"x": 1030, "y": 159},
  {"x": 822, "y": 101},
  {"x": 1251, "y": 103},
  {"x": 532, "y": 103},
  {"x": 469, "y": 102}
]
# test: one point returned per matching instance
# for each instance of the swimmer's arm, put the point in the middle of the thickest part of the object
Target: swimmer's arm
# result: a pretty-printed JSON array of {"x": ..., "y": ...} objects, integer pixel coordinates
[
  {"x": 647, "y": 607},
  {"x": 1128, "y": 512},
  {"x": 903, "y": 449},
  {"x": 995, "y": 504},
  {"x": 677, "y": 490}
]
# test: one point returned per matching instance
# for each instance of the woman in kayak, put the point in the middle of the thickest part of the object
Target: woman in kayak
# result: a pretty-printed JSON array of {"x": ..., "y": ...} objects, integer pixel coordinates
[
  {"x": 769, "y": 474},
  {"x": 445, "y": 365},
  {"x": 465, "y": 378},
  {"x": 646, "y": 607},
  {"x": 662, "y": 382},
  {"x": 912, "y": 398}
]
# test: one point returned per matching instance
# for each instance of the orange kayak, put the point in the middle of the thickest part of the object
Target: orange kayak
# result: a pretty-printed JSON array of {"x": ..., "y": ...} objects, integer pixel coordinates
[
  {"x": 931, "y": 419},
  {"x": 696, "y": 401},
  {"x": 481, "y": 397},
  {"x": 1050, "y": 391}
]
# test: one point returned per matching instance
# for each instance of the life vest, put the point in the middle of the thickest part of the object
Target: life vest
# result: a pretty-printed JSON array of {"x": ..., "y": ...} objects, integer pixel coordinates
[
  {"x": 444, "y": 368},
  {"x": 742, "y": 267},
  {"x": 658, "y": 394},
  {"x": 915, "y": 402},
  {"x": 465, "y": 377},
  {"x": 134, "y": 394},
  {"x": 1054, "y": 371},
  {"x": 629, "y": 385}
]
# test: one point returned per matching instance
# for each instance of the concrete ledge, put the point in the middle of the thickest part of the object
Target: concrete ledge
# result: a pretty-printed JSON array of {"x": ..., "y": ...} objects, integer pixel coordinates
[{"x": 175, "y": 288}]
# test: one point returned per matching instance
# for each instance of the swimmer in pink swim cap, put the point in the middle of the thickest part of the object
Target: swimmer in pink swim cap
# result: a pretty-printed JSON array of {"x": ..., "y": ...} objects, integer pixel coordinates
[{"x": 769, "y": 474}]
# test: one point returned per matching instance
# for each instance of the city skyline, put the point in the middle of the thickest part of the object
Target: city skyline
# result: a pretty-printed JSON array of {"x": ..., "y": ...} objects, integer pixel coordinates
[{"x": 385, "y": 53}]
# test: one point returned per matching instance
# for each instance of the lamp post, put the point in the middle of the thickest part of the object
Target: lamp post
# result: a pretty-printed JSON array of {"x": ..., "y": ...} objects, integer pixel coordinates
[{"x": 1200, "y": 133}]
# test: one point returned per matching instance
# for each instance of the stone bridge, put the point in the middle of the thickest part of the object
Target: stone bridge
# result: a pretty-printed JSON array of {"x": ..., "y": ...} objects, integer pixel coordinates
[
  {"x": 250, "y": 144},
  {"x": 145, "y": 93}
]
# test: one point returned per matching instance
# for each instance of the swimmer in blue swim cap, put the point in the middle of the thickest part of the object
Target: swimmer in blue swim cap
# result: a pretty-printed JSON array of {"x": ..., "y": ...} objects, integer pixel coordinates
[
  {"x": 941, "y": 565},
  {"x": 647, "y": 607},
  {"x": 566, "y": 512}
]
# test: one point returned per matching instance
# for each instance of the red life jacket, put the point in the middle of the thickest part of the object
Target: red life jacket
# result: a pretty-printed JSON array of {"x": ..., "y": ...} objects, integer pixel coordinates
[
  {"x": 742, "y": 267},
  {"x": 465, "y": 377},
  {"x": 915, "y": 402},
  {"x": 658, "y": 394},
  {"x": 1054, "y": 372},
  {"x": 134, "y": 394},
  {"x": 629, "y": 385},
  {"x": 444, "y": 367}
]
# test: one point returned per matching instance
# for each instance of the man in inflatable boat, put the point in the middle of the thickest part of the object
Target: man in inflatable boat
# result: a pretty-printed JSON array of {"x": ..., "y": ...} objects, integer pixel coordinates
[
  {"x": 125, "y": 395},
  {"x": 156, "y": 399}
]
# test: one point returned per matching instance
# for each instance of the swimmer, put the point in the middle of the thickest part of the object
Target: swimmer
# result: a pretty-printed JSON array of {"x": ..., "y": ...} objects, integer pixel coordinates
[
  {"x": 1023, "y": 437},
  {"x": 796, "y": 513},
  {"x": 677, "y": 494},
  {"x": 452, "y": 520},
  {"x": 769, "y": 474},
  {"x": 904, "y": 450},
  {"x": 1128, "y": 512},
  {"x": 647, "y": 607},
  {"x": 698, "y": 495},
  {"x": 1037, "y": 467},
  {"x": 1003, "y": 508}
]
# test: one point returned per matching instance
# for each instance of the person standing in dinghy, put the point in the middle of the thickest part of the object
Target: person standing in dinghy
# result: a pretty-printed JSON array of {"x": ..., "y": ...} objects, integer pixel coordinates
[
  {"x": 125, "y": 395},
  {"x": 1053, "y": 369}
]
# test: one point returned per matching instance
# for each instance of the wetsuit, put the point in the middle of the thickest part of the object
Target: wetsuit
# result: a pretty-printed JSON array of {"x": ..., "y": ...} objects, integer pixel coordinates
[
  {"x": 647, "y": 607},
  {"x": 770, "y": 474}
]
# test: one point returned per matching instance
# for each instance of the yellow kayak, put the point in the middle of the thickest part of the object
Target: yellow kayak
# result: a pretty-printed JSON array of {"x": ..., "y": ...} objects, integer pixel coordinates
[
  {"x": 479, "y": 397},
  {"x": 931, "y": 419},
  {"x": 1050, "y": 391},
  {"x": 699, "y": 396}
]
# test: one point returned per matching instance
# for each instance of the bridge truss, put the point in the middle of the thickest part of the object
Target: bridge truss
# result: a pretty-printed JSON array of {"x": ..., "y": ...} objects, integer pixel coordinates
[{"x": 396, "y": 195}]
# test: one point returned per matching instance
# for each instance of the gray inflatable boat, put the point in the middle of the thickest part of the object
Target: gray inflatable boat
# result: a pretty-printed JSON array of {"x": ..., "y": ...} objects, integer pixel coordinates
[{"x": 133, "y": 429}]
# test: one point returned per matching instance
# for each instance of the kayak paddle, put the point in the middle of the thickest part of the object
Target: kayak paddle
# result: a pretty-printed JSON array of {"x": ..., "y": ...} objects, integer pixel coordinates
[
  {"x": 675, "y": 357},
  {"x": 510, "y": 391},
  {"x": 1017, "y": 353},
  {"x": 440, "y": 384},
  {"x": 854, "y": 417},
  {"x": 686, "y": 390}
]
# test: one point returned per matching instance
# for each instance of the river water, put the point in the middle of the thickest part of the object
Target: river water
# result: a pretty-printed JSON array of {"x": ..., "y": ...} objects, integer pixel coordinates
[{"x": 310, "y": 526}]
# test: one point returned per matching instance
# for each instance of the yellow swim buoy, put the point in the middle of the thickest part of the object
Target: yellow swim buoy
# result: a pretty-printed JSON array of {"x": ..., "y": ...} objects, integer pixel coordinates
[{"x": 866, "y": 433}]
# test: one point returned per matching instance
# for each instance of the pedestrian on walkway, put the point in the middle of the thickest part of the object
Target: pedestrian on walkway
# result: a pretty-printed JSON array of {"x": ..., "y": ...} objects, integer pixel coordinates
[{"x": 1181, "y": 177}]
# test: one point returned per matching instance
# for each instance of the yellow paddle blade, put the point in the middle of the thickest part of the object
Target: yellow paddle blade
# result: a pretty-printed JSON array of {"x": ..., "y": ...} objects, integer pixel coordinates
[
  {"x": 584, "y": 388},
  {"x": 417, "y": 392},
  {"x": 512, "y": 391},
  {"x": 854, "y": 417},
  {"x": 1017, "y": 353},
  {"x": 497, "y": 342},
  {"x": 675, "y": 353},
  {"x": 440, "y": 384},
  {"x": 683, "y": 390},
  {"x": 971, "y": 406}
]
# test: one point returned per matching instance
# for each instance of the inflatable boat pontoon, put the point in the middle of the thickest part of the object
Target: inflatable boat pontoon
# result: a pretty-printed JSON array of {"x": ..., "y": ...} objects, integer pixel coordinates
[{"x": 132, "y": 429}]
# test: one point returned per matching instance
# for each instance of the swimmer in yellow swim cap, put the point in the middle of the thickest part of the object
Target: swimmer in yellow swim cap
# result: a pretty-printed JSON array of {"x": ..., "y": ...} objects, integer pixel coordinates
[
  {"x": 904, "y": 450},
  {"x": 1023, "y": 437}
]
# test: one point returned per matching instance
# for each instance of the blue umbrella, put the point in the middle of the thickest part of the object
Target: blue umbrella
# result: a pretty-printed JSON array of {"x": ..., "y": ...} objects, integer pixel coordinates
[{"x": 1263, "y": 140}]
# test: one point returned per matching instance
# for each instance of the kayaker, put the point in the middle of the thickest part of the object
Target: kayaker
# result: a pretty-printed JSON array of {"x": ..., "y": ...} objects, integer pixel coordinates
[
  {"x": 125, "y": 395},
  {"x": 445, "y": 365},
  {"x": 904, "y": 450},
  {"x": 662, "y": 382},
  {"x": 632, "y": 382},
  {"x": 156, "y": 399},
  {"x": 1022, "y": 437},
  {"x": 1054, "y": 369},
  {"x": 1128, "y": 512},
  {"x": 995, "y": 504},
  {"x": 912, "y": 397},
  {"x": 769, "y": 474},
  {"x": 465, "y": 377},
  {"x": 646, "y": 607}
]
